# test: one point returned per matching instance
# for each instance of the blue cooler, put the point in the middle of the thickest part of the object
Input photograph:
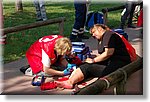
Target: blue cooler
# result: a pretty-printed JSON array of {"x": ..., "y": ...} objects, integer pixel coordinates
[
  {"x": 80, "y": 50},
  {"x": 78, "y": 44},
  {"x": 121, "y": 32}
]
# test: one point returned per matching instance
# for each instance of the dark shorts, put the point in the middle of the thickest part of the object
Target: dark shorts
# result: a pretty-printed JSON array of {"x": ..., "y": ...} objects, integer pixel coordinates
[
  {"x": 92, "y": 70},
  {"x": 101, "y": 69}
]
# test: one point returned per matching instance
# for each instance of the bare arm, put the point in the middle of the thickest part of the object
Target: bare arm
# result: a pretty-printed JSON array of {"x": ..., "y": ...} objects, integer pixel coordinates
[
  {"x": 94, "y": 54},
  {"x": 47, "y": 65},
  {"x": 105, "y": 55},
  {"x": 101, "y": 57},
  {"x": 52, "y": 72}
]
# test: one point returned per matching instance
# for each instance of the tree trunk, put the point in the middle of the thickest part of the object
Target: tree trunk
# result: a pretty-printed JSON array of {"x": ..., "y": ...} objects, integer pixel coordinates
[
  {"x": 2, "y": 35},
  {"x": 19, "y": 6}
]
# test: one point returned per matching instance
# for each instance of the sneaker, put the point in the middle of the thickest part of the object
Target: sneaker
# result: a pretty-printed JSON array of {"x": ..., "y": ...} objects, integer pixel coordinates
[
  {"x": 121, "y": 27},
  {"x": 74, "y": 38},
  {"x": 29, "y": 72},
  {"x": 26, "y": 70},
  {"x": 44, "y": 19},
  {"x": 39, "y": 19}
]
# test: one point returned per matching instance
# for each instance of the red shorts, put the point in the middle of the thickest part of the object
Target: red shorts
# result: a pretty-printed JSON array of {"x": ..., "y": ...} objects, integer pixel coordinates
[{"x": 35, "y": 63}]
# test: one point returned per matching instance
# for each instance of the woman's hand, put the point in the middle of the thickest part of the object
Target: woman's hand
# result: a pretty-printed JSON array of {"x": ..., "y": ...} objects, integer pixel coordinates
[{"x": 89, "y": 60}]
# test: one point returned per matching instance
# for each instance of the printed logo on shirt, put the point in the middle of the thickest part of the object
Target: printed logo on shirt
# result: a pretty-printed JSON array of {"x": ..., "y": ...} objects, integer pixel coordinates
[{"x": 48, "y": 39}]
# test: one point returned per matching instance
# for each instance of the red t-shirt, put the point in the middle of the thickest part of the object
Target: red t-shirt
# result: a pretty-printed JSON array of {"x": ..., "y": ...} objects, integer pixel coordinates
[{"x": 42, "y": 52}]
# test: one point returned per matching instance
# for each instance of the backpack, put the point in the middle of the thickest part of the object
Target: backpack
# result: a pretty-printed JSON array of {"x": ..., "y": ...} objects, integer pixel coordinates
[
  {"x": 129, "y": 47},
  {"x": 121, "y": 32},
  {"x": 94, "y": 18}
]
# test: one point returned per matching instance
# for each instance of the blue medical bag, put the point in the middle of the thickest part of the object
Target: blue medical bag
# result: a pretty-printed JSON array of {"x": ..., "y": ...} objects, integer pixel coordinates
[{"x": 81, "y": 50}]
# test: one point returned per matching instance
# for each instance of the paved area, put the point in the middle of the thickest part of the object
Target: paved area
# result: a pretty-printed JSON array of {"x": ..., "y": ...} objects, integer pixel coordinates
[{"x": 14, "y": 82}]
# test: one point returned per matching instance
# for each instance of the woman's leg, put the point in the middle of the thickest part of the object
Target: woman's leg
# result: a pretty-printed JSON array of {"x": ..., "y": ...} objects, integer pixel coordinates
[
  {"x": 35, "y": 63},
  {"x": 113, "y": 66},
  {"x": 84, "y": 71}
]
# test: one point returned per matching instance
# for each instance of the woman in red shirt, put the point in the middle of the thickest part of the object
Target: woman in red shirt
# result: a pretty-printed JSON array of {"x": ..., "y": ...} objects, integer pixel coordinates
[{"x": 49, "y": 51}]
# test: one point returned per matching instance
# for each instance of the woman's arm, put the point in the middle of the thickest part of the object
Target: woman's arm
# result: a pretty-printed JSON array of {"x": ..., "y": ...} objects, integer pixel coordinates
[
  {"x": 47, "y": 65},
  {"x": 105, "y": 55},
  {"x": 94, "y": 54},
  {"x": 101, "y": 57},
  {"x": 52, "y": 72}
]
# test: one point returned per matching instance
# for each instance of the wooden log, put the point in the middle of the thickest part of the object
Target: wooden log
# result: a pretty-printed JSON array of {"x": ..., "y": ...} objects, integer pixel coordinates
[
  {"x": 103, "y": 83},
  {"x": 120, "y": 88},
  {"x": 115, "y": 8},
  {"x": 61, "y": 27},
  {"x": 34, "y": 25},
  {"x": 105, "y": 18},
  {"x": 106, "y": 10}
]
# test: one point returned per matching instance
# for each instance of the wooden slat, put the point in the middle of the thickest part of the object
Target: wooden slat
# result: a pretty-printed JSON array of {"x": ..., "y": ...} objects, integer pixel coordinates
[{"x": 36, "y": 24}]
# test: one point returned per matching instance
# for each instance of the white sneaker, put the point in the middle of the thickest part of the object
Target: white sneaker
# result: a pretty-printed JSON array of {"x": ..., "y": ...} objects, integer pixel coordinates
[{"x": 29, "y": 72}]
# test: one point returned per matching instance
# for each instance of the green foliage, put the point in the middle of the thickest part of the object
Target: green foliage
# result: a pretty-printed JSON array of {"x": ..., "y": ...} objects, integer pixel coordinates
[{"x": 19, "y": 42}]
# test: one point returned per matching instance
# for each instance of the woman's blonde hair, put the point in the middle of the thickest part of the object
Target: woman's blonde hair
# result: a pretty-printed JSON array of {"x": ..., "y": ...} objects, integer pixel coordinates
[
  {"x": 96, "y": 26},
  {"x": 62, "y": 46}
]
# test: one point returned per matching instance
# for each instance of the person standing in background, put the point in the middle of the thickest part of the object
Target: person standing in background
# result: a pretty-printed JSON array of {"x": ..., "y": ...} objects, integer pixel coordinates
[
  {"x": 40, "y": 10},
  {"x": 80, "y": 18},
  {"x": 128, "y": 14}
]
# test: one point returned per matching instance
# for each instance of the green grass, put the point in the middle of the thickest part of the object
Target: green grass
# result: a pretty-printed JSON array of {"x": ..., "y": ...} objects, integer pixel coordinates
[{"x": 19, "y": 42}]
